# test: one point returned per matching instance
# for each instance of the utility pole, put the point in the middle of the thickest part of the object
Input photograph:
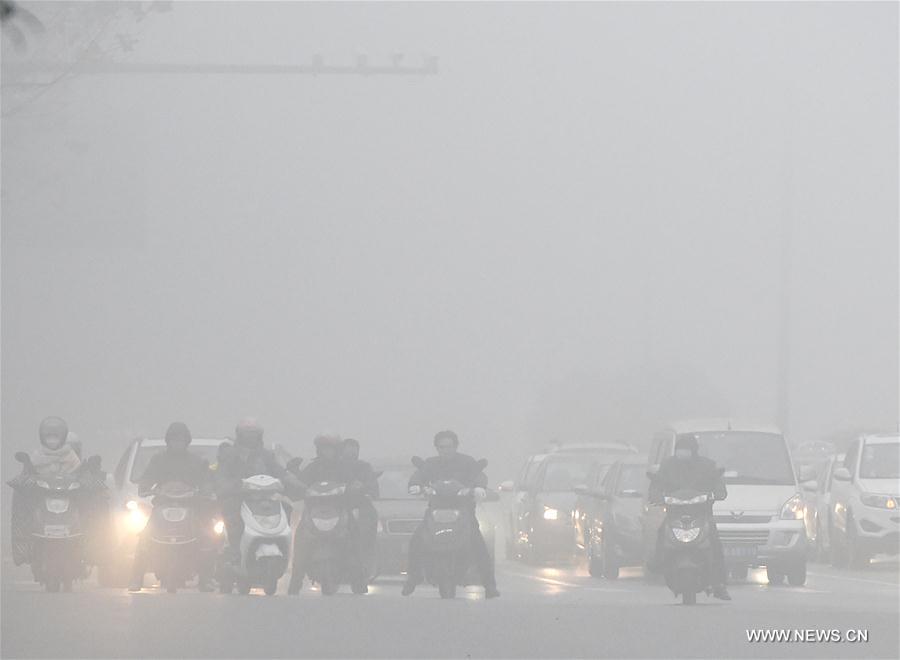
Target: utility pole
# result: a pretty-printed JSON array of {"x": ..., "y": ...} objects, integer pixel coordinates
[{"x": 783, "y": 378}]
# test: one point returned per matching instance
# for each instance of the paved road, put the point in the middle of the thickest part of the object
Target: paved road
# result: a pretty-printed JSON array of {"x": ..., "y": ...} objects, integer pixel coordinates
[{"x": 544, "y": 612}]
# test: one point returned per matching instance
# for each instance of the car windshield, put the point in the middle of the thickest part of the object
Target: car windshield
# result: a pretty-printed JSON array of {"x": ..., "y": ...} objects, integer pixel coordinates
[
  {"x": 633, "y": 478},
  {"x": 564, "y": 475},
  {"x": 393, "y": 484},
  {"x": 880, "y": 461},
  {"x": 144, "y": 454},
  {"x": 748, "y": 457}
]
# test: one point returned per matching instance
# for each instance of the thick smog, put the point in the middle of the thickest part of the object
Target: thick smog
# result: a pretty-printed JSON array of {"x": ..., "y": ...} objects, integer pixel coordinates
[{"x": 450, "y": 330}]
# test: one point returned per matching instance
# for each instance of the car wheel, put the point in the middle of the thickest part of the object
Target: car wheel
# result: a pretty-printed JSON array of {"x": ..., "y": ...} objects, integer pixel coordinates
[
  {"x": 797, "y": 575},
  {"x": 838, "y": 552},
  {"x": 610, "y": 562},
  {"x": 774, "y": 576},
  {"x": 856, "y": 556}
]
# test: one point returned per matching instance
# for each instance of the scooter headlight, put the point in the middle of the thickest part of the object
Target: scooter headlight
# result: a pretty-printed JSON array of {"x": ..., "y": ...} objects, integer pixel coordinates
[
  {"x": 551, "y": 513},
  {"x": 686, "y": 535},
  {"x": 219, "y": 527},
  {"x": 136, "y": 519}
]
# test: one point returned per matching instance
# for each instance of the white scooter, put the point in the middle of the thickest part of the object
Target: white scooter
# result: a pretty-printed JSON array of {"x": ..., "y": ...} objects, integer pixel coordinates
[{"x": 266, "y": 541}]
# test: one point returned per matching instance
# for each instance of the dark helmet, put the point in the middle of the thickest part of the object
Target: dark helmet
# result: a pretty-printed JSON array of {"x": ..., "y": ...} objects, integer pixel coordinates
[
  {"x": 55, "y": 426},
  {"x": 443, "y": 435},
  {"x": 249, "y": 434},
  {"x": 688, "y": 442},
  {"x": 178, "y": 431}
]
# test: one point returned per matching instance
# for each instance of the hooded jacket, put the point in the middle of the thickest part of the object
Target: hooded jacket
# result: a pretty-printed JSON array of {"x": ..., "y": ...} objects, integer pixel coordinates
[{"x": 55, "y": 461}]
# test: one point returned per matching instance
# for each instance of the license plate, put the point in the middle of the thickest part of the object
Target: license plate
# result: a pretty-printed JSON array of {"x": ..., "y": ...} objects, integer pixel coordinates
[
  {"x": 56, "y": 530},
  {"x": 740, "y": 551}
]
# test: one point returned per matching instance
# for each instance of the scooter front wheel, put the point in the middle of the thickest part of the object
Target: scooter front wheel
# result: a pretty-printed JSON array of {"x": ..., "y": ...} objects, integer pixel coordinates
[
  {"x": 688, "y": 598},
  {"x": 447, "y": 589}
]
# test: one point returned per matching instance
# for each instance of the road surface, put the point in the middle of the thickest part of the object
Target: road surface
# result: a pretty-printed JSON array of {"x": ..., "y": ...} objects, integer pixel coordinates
[{"x": 543, "y": 612}]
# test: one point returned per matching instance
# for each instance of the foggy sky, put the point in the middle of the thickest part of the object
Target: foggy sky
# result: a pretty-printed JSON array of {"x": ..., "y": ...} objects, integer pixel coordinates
[{"x": 574, "y": 230}]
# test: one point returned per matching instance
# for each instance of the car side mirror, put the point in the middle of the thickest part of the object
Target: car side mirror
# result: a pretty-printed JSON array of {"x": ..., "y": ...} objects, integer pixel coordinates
[
  {"x": 506, "y": 486},
  {"x": 418, "y": 462},
  {"x": 810, "y": 485},
  {"x": 581, "y": 489},
  {"x": 842, "y": 474},
  {"x": 806, "y": 473}
]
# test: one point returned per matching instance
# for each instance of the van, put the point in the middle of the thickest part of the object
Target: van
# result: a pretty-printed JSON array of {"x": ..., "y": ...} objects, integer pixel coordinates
[{"x": 761, "y": 522}]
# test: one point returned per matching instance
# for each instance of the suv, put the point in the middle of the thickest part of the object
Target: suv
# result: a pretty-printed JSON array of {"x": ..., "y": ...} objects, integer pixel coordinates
[
  {"x": 130, "y": 513},
  {"x": 761, "y": 523},
  {"x": 865, "y": 501}
]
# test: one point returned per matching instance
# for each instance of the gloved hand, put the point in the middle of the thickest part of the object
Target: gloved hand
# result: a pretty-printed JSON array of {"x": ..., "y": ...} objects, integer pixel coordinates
[
  {"x": 479, "y": 493},
  {"x": 415, "y": 490}
]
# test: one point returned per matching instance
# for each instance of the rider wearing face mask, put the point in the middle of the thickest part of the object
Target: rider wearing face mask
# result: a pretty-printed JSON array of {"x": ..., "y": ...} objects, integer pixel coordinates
[
  {"x": 54, "y": 456},
  {"x": 688, "y": 470},
  {"x": 247, "y": 458}
]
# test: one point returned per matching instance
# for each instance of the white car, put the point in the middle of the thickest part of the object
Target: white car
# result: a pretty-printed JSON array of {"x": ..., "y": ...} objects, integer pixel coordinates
[
  {"x": 818, "y": 507},
  {"x": 761, "y": 522},
  {"x": 129, "y": 512},
  {"x": 866, "y": 501}
]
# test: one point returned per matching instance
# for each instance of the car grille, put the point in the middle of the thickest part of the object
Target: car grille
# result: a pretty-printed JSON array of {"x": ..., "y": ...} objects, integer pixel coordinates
[
  {"x": 728, "y": 518},
  {"x": 402, "y": 526},
  {"x": 759, "y": 537}
]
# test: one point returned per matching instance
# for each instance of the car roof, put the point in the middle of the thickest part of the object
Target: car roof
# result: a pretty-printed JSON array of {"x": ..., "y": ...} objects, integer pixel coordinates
[
  {"x": 593, "y": 447},
  {"x": 720, "y": 424},
  {"x": 639, "y": 459},
  {"x": 202, "y": 442},
  {"x": 881, "y": 439}
]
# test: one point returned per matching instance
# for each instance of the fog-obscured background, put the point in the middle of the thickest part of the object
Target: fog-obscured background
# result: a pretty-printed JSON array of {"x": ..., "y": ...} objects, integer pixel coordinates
[{"x": 591, "y": 219}]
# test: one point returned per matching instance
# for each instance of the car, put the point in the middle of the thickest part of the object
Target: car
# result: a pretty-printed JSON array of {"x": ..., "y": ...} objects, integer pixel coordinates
[
  {"x": 818, "y": 508},
  {"x": 866, "y": 501},
  {"x": 600, "y": 448},
  {"x": 542, "y": 521},
  {"x": 400, "y": 513},
  {"x": 610, "y": 510},
  {"x": 761, "y": 523},
  {"x": 129, "y": 512}
]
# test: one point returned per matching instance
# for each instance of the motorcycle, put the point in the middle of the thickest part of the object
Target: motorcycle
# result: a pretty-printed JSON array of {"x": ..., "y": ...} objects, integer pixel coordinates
[
  {"x": 174, "y": 528},
  {"x": 56, "y": 527},
  {"x": 332, "y": 532},
  {"x": 449, "y": 525},
  {"x": 686, "y": 559},
  {"x": 266, "y": 542}
]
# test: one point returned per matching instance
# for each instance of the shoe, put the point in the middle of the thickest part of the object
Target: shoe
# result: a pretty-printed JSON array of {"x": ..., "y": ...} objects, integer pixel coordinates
[
  {"x": 720, "y": 592},
  {"x": 491, "y": 592},
  {"x": 408, "y": 588},
  {"x": 205, "y": 586}
]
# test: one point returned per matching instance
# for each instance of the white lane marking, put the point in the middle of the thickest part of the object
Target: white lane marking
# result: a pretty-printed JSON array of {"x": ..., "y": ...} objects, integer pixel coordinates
[{"x": 880, "y": 583}]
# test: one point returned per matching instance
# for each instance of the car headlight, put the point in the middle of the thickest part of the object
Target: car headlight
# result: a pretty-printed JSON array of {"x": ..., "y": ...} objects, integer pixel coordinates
[
  {"x": 686, "y": 535},
  {"x": 550, "y": 513},
  {"x": 878, "y": 501},
  {"x": 794, "y": 508},
  {"x": 219, "y": 527}
]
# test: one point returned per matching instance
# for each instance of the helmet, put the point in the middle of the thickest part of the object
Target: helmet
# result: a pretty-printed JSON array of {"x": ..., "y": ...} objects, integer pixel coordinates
[
  {"x": 248, "y": 433},
  {"x": 327, "y": 439},
  {"x": 178, "y": 431},
  {"x": 55, "y": 426},
  {"x": 689, "y": 442}
]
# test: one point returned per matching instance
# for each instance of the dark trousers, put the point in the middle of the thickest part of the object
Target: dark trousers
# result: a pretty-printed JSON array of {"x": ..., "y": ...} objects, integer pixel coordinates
[{"x": 478, "y": 552}]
